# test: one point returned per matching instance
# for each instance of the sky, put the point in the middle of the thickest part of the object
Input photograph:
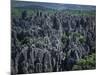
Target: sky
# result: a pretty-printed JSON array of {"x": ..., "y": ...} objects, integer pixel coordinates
[{"x": 83, "y": 2}]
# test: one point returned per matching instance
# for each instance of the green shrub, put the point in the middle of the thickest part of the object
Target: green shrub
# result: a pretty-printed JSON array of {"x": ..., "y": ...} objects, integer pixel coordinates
[
  {"x": 64, "y": 38},
  {"x": 88, "y": 62},
  {"x": 82, "y": 39}
]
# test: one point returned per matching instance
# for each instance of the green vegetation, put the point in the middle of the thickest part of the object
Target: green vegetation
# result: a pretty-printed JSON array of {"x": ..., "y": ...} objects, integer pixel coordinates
[
  {"x": 87, "y": 62},
  {"x": 80, "y": 37},
  {"x": 80, "y": 13},
  {"x": 64, "y": 38},
  {"x": 17, "y": 12}
]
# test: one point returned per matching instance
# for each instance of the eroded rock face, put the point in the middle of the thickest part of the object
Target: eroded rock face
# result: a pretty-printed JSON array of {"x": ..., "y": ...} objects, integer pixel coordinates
[{"x": 50, "y": 43}]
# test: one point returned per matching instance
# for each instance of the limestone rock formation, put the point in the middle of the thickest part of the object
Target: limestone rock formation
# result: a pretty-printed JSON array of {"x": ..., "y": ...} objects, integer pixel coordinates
[{"x": 50, "y": 42}]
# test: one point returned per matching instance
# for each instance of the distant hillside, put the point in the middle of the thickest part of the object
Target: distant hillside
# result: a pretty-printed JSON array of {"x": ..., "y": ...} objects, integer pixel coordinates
[{"x": 56, "y": 6}]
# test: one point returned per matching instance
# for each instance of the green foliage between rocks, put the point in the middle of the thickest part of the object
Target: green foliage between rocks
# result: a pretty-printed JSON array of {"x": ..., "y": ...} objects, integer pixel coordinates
[{"x": 88, "y": 62}]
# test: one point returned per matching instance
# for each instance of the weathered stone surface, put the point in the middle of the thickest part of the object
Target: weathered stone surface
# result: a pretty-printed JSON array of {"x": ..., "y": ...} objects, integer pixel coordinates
[{"x": 50, "y": 43}]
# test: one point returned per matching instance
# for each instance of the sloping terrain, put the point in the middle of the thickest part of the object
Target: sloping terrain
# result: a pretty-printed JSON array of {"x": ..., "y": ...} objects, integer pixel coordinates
[{"x": 57, "y": 6}]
